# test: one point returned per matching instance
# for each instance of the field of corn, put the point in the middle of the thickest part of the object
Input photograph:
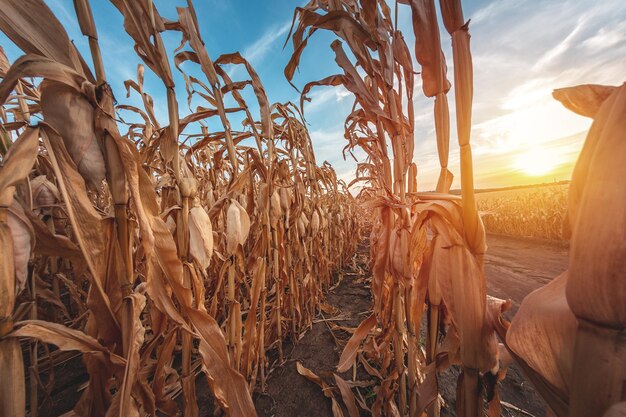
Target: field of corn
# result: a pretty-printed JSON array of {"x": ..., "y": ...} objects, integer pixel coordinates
[
  {"x": 537, "y": 212},
  {"x": 159, "y": 252}
]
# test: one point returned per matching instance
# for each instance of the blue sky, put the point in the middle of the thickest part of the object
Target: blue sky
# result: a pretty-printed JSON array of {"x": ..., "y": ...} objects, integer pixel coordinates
[{"x": 522, "y": 50}]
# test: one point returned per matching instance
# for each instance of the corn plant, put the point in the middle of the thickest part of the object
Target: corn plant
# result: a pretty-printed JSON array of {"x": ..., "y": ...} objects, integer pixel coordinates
[{"x": 411, "y": 270}]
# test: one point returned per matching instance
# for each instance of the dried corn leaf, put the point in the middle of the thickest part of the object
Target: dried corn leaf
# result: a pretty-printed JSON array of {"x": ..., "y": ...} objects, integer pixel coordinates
[
  {"x": 67, "y": 339},
  {"x": 585, "y": 100},
  {"x": 347, "y": 395},
  {"x": 348, "y": 356},
  {"x": 598, "y": 246},
  {"x": 428, "y": 47},
  {"x": 543, "y": 333},
  {"x": 18, "y": 162},
  {"x": 311, "y": 376},
  {"x": 22, "y": 235},
  {"x": 88, "y": 228},
  {"x": 30, "y": 23}
]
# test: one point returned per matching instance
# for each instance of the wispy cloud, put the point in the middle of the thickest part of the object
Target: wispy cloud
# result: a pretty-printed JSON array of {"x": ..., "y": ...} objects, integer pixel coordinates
[
  {"x": 323, "y": 96},
  {"x": 562, "y": 47},
  {"x": 63, "y": 13},
  {"x": 259, "y": 49},
  {"x": 256, "y": 52}
]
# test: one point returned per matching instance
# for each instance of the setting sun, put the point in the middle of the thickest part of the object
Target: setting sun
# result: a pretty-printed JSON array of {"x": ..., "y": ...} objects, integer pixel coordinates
[{"x": 537, "y": 162}]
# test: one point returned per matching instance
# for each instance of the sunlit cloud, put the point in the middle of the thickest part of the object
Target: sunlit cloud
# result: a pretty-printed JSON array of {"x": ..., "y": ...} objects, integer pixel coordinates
[{"x": 522, "y": 51}]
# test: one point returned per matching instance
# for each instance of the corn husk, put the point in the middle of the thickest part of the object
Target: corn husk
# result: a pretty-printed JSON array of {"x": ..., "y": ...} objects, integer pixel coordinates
[
  {"x": 315, "y": 223},
  {"x": 7, "y": 273},
  {"x": 59, "y": 100},
  {"x": 275, "y": 210},
  {"x": 301, "y": 227},
  {"x": 22, "y": 235},
  {"x": 200, "y": 236},
  {"x": 598, "y": 247},
  {"x": 285, "y": 199},
  {"x": 45, "y": 193},
  {"x": 237, "y": 226}
]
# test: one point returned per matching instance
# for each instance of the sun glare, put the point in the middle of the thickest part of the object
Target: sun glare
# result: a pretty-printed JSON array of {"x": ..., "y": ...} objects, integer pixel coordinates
[{"x": 538, "y": 162}]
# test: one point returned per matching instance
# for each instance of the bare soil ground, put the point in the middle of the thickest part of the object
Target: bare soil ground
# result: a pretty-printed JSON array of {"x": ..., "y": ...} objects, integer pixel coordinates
[{"x": 514, "y": 268}]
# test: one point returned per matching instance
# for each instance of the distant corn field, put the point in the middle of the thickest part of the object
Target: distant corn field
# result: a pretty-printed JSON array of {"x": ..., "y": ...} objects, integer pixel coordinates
[{"x": 538, "y": 212}]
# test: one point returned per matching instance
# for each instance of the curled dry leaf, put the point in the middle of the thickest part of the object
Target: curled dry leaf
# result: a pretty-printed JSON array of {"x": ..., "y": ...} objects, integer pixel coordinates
[
  {"x": 348, "y": 396},
  {"x": 17, "y": 163},
  {"x": 311, "y": 376},
  {"x": 585, "y": 100},
  {"x": 67, "y": 339},
  {"x": 348, "y": 356}
]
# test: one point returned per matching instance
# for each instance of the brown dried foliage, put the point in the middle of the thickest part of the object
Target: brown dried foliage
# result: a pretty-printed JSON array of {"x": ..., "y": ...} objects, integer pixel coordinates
[
  {"x": 127, "y": 248},
  {"x": 411, "y": 272}
]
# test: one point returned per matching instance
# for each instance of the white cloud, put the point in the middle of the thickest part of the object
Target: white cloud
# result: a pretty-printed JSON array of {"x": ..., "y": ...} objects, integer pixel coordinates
[
  {"x": 258, "y": 50},
  {"x": 606, "y": 37},
  {"x": 322, "y": 96},
  {"x": 562, "y": 47}
]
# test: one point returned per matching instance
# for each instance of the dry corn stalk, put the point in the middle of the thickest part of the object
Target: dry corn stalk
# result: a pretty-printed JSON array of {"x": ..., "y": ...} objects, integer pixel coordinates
[{"x": 409, "y": 269}]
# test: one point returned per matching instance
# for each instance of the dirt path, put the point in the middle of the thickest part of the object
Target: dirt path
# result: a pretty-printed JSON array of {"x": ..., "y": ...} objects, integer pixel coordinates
[
  {"x": 514, "y": 268},
  {"x": 289, "y": 393}
]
